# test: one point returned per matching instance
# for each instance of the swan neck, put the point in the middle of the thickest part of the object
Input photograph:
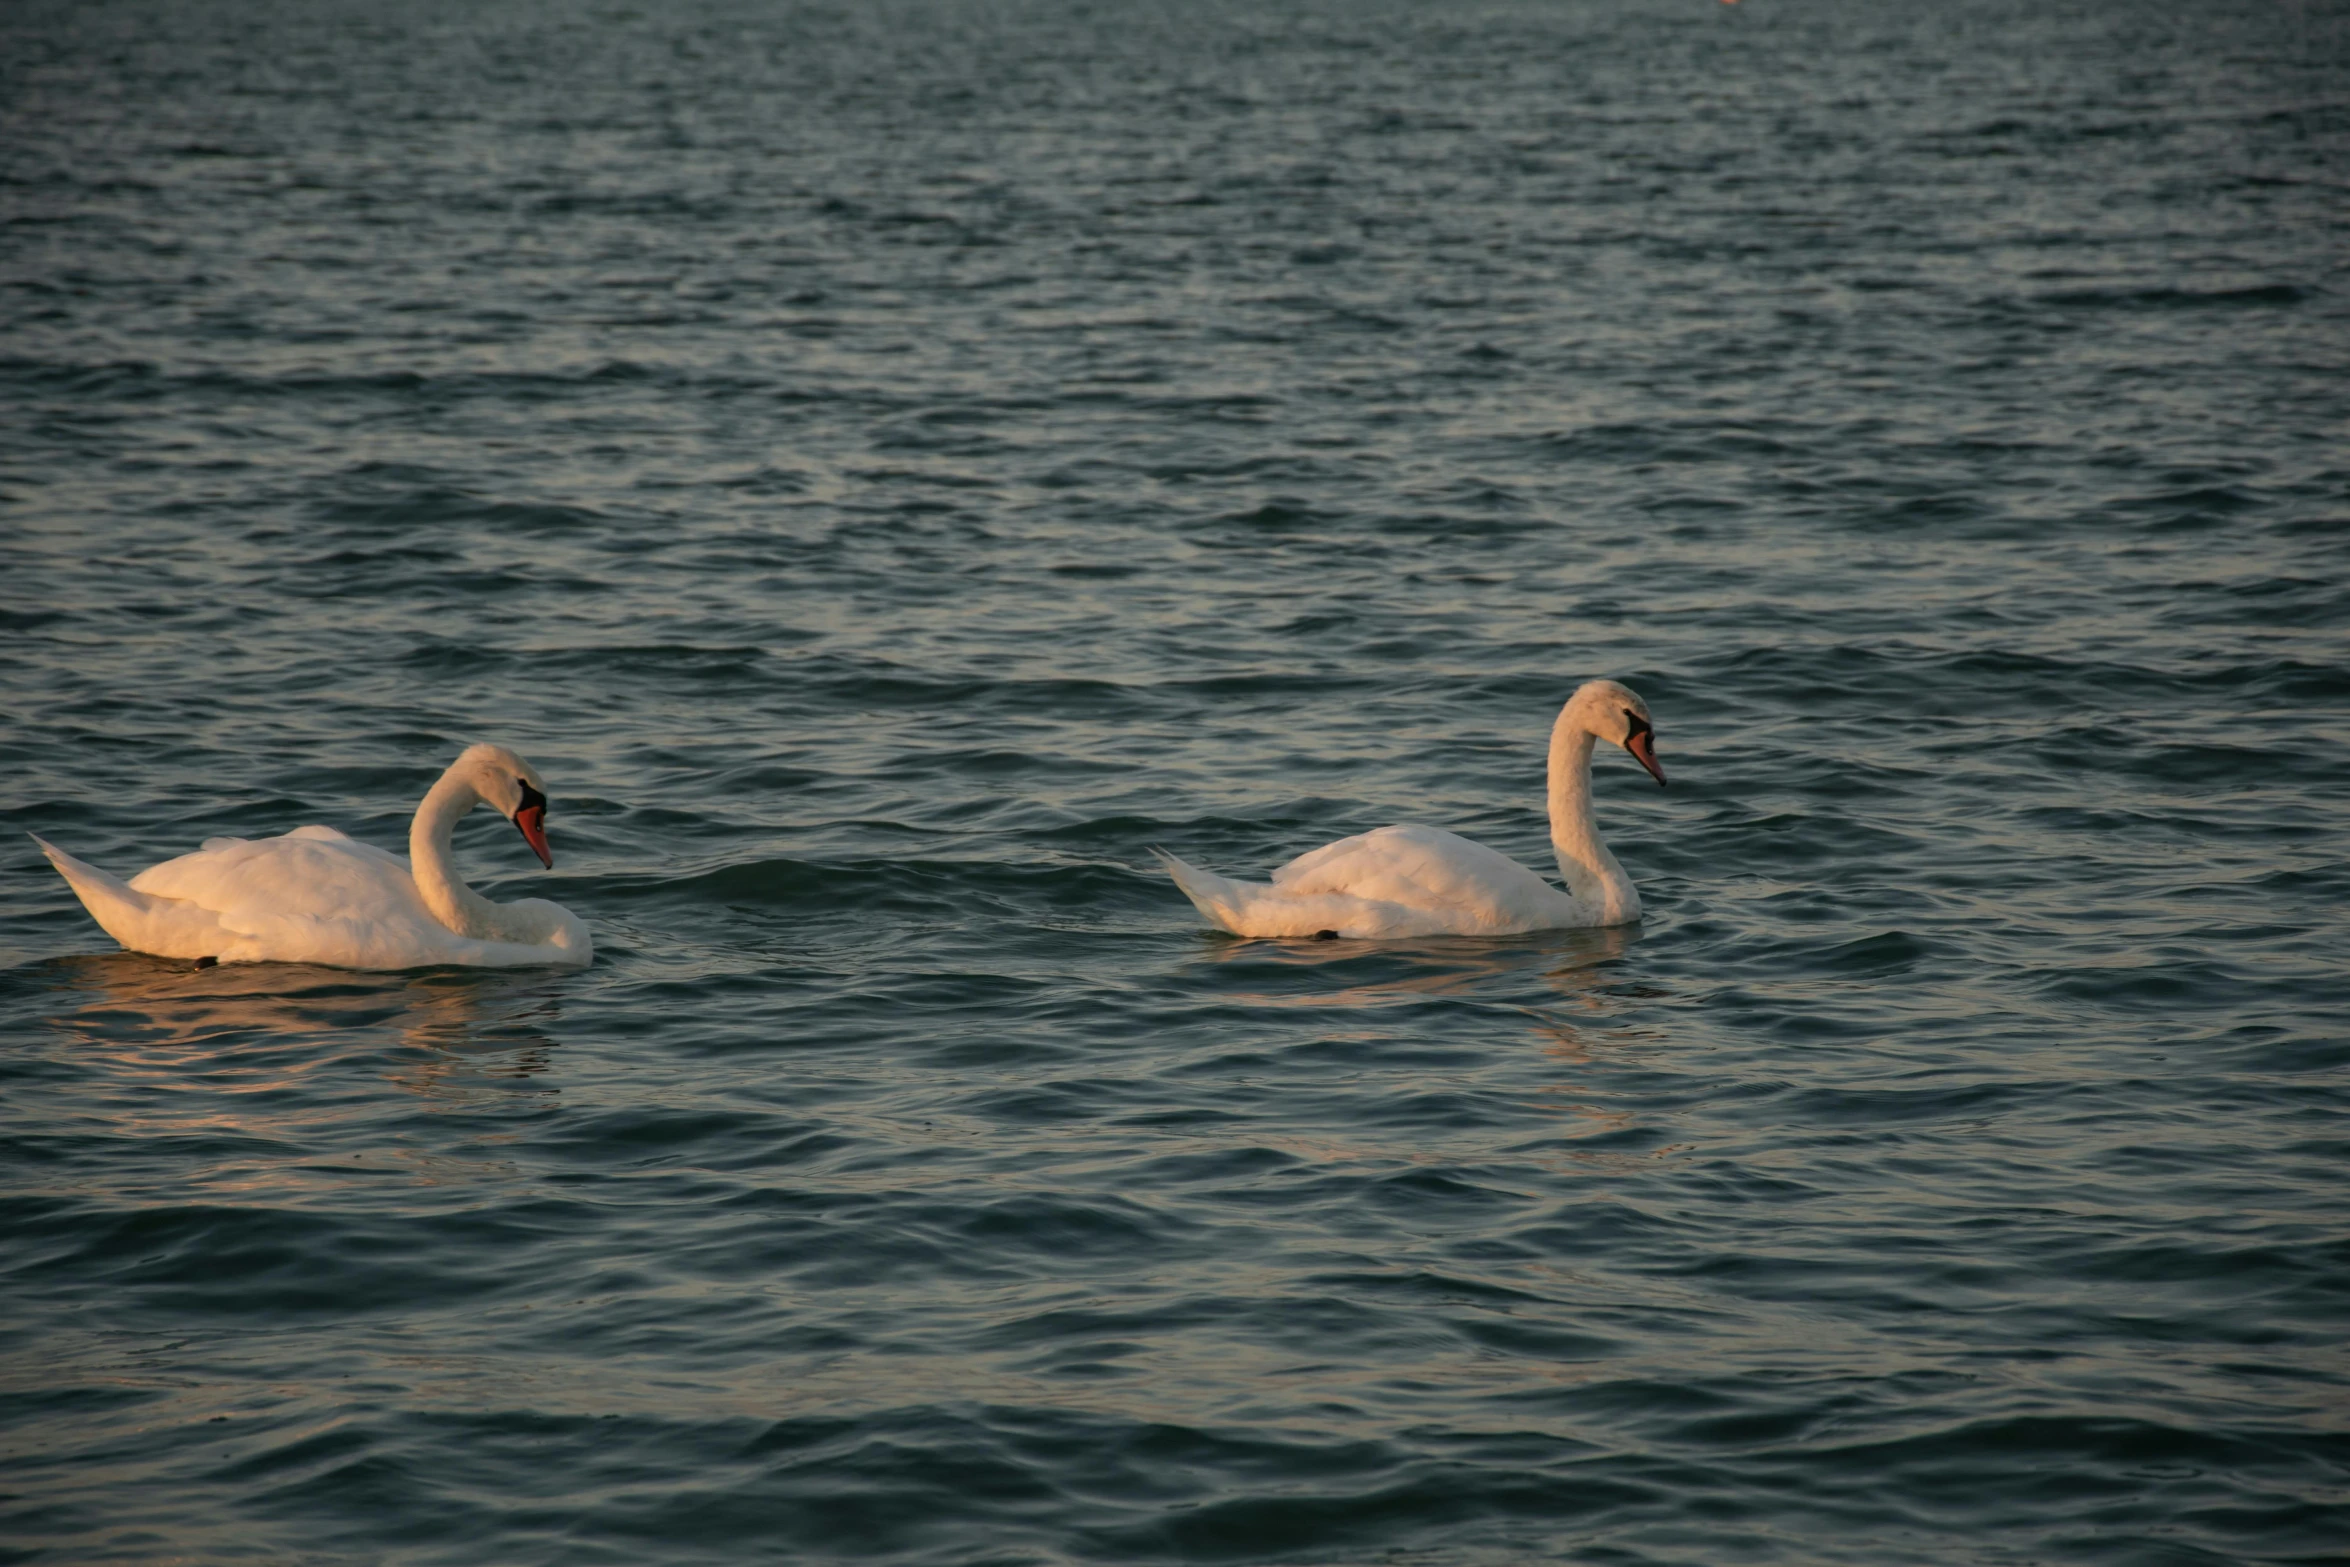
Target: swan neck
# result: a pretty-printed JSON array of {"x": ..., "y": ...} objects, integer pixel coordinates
[
  {"x": 1590, "y": 871},
  {"x": 453, "y": 903}
]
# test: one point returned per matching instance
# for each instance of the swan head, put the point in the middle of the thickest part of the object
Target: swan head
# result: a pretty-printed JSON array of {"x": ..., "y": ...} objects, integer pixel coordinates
[
  {"x": 512, "y": 787},
  {"x": 1614, "y": 712}
]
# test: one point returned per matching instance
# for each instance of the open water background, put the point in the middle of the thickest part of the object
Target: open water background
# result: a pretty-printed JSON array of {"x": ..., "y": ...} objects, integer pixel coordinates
[{"x": 889, "y": 465}]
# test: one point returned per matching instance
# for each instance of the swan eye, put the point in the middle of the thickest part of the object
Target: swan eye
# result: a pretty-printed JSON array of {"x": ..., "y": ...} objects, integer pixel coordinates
[
  {"x": 1634, "y": 724},
  {"x": 531, "y": 799}
]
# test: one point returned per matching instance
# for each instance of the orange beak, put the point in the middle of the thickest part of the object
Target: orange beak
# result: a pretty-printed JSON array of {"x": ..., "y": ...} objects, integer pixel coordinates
[
  {"x": 1643, "y": 748},
  {"x": 532, "y": 819}
]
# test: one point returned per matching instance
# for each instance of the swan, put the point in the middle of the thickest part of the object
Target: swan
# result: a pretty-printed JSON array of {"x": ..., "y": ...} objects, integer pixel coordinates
[
  {"x": 1424, "y": 881},
  {"x": 317, "y": 896}
]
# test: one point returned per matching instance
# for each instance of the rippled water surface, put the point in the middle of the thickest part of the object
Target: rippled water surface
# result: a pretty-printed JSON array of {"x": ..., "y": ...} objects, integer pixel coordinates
[{"x": 890, "y": 466}]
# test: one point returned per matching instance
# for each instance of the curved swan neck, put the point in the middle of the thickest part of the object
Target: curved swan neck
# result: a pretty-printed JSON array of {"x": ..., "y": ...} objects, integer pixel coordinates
[
  {"x": 1585, "y": 865},
  {"x": 453, "y": 903}
]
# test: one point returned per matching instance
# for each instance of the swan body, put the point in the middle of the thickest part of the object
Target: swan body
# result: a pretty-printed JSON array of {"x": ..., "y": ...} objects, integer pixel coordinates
[
  {"x": 1424, "y": 881},
  {"x": 318, "y": 896}
]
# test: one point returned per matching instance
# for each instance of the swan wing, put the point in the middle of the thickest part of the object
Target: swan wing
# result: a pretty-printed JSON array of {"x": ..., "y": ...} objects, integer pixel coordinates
[
  {"x": 1397, "y": 881},
  {"x": 1418, "y": 867},
  {"x": 315, "y": 873},
  {"x": 311, "y": 896}
]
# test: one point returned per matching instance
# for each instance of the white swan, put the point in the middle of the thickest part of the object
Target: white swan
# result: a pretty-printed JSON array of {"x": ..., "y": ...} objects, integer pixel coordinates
[
  {"x": 316, "y": 896},
  {"x": 1424, "y": 881}
]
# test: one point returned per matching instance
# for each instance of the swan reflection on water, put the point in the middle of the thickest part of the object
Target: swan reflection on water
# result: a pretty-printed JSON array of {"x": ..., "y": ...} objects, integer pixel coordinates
[
  {"x": 455, "y": 1036},
  {"x": 1572, "y": 962},
  {"x": 1573, "y": 1024}
]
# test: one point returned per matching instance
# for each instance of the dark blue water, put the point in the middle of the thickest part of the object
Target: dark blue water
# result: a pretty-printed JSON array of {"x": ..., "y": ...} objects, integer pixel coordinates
[{"x": 891, "y": 465}]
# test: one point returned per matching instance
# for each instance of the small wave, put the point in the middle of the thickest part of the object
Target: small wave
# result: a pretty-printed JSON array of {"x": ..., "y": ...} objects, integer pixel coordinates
[
  {"x": 927, "y": 887},
  {"x": 2256, "y": 296}
]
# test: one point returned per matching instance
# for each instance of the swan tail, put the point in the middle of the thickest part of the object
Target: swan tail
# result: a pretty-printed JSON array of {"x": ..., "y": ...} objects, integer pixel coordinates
[
  {"x": 1215, "y": 897},
  {"x": 141, "y": 921},
  {"x": 1255, "y": 909}
]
